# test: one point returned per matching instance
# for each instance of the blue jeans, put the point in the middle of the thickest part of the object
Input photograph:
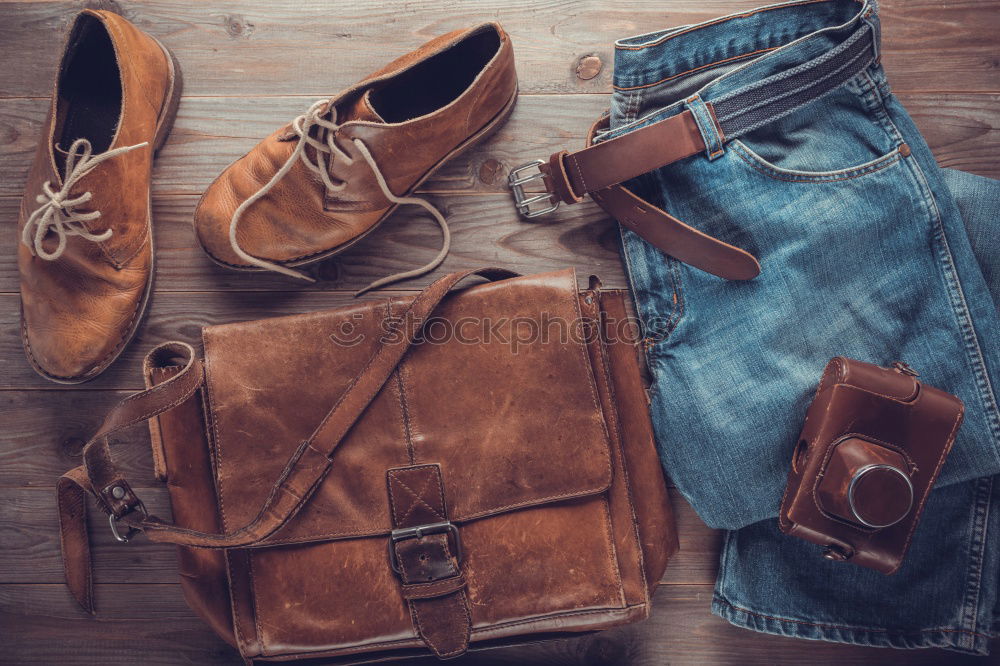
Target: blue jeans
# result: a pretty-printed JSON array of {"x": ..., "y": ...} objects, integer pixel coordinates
[{"x": 865, "y": 253}]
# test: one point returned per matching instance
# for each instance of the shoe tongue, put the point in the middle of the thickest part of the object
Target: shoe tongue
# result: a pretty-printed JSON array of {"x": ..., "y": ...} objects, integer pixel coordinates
[{"x": 361, "y": 109}]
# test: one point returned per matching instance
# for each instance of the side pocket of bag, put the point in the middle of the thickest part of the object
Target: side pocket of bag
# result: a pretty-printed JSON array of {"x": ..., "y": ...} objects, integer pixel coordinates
[
  {"x": 182, "y": 455},
  {"x": 645, "y": 480}
]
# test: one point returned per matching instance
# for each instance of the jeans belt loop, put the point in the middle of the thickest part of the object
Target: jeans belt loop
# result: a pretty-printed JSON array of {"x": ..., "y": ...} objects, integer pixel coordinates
[
  {"x": 870, "y": 17},
  {"x": 711, "y": 133}
]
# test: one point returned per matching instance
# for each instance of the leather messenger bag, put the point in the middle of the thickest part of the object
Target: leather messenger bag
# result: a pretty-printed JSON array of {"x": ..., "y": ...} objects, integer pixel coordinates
[{"x": 399, "y": 477}]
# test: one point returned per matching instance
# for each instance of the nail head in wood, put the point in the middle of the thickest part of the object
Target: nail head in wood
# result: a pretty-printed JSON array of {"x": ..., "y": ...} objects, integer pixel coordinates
[
  {"x": 490, "y": 171},
  {"x": 588, "y": 67}
]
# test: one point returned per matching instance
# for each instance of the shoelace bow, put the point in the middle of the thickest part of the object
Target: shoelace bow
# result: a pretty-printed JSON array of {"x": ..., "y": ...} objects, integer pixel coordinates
[
  {"x": 57, "y": 213},
  {"x": 325, "y": 145}
]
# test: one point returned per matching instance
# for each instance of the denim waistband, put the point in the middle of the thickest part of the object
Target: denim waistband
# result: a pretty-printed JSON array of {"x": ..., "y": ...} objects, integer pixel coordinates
[{"x": 754, "y": 67}]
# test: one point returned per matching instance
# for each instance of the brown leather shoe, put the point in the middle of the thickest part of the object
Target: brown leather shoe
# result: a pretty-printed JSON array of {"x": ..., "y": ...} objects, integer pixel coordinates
[
  {"x": 317, "y": 186},
  {"x": 86, "y": 252}
]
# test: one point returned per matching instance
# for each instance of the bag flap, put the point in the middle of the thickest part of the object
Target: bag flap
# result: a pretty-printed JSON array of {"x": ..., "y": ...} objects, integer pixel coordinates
[{"x": 499, "y": 392}]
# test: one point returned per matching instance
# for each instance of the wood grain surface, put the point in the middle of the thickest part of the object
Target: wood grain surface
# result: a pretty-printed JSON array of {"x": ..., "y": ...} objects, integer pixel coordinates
[{"x": 251, "y": 65}]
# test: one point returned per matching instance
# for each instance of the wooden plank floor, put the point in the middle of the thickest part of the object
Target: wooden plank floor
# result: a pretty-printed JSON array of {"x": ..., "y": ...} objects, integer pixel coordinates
[{"x": 251, "y": 65}]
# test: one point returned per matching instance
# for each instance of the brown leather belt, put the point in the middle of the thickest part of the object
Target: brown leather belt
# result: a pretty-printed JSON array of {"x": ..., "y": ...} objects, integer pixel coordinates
[{"x": 600, "y": 168}]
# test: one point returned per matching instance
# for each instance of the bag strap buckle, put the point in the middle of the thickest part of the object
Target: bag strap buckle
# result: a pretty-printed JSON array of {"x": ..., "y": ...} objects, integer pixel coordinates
[
  {"x": 132, "y": 531},
  {"x": 526, "y": 201},
  {"x": 419, "y": 531}
]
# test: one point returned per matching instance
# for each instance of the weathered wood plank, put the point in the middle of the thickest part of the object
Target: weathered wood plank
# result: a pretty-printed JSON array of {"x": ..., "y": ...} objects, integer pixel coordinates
[
  {"x": 962, "y": 129},
  {"x": 172, "y": 316},
  {"x": 253, "y": 64},
  {"x": 29, "y": 525},
  {"x": 151, "y": 624},
  {"x": 29, "y": 530},
  {"x": 44, "y": 433},
  {"x": 211, "y": 132},
  {"x": 485, "y": 232},
  {"x": 265, "y": 47}
]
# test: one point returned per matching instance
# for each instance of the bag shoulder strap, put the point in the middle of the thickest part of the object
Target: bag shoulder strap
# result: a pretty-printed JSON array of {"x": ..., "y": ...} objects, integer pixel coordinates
[{"x": 306, "y": 468}]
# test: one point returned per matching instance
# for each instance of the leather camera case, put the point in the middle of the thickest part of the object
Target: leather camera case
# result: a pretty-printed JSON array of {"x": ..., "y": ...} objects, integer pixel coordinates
[{"x": 873, "y": 443}]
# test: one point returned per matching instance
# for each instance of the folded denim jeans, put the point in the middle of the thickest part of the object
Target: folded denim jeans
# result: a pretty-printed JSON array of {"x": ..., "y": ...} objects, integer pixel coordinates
[
  {"x": 947, "y": 596},
  {"x": 868, "y": 250}
]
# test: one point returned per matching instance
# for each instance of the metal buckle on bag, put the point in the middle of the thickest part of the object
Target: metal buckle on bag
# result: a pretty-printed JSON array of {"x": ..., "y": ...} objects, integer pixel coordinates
[
  {"x": 524, "y": 200},
  {"x": 404, "y": 533},
  {"x": 132, "y": 531}
]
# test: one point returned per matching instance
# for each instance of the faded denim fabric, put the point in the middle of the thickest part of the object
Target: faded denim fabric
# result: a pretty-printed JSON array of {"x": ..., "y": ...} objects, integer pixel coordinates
[{"x": 868, "y": 250}]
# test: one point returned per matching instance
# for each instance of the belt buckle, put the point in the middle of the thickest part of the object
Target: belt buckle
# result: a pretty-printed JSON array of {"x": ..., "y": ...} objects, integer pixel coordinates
[
  {"x": 417, "y": 532},
  {"x": 524, "y": 201}
]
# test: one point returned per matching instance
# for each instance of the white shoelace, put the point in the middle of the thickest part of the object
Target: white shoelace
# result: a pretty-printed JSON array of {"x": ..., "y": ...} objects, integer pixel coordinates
[
  {"x": 326, "y": 145},
  {"x": 57, "y": 213}
]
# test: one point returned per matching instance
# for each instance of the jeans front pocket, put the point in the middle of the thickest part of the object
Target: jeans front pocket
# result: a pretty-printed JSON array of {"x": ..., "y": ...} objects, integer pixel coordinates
[
  {"x": 799, "y": 176},
  {"x": 850, "y": 267},
  {"x": 846, "y": 133}
]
